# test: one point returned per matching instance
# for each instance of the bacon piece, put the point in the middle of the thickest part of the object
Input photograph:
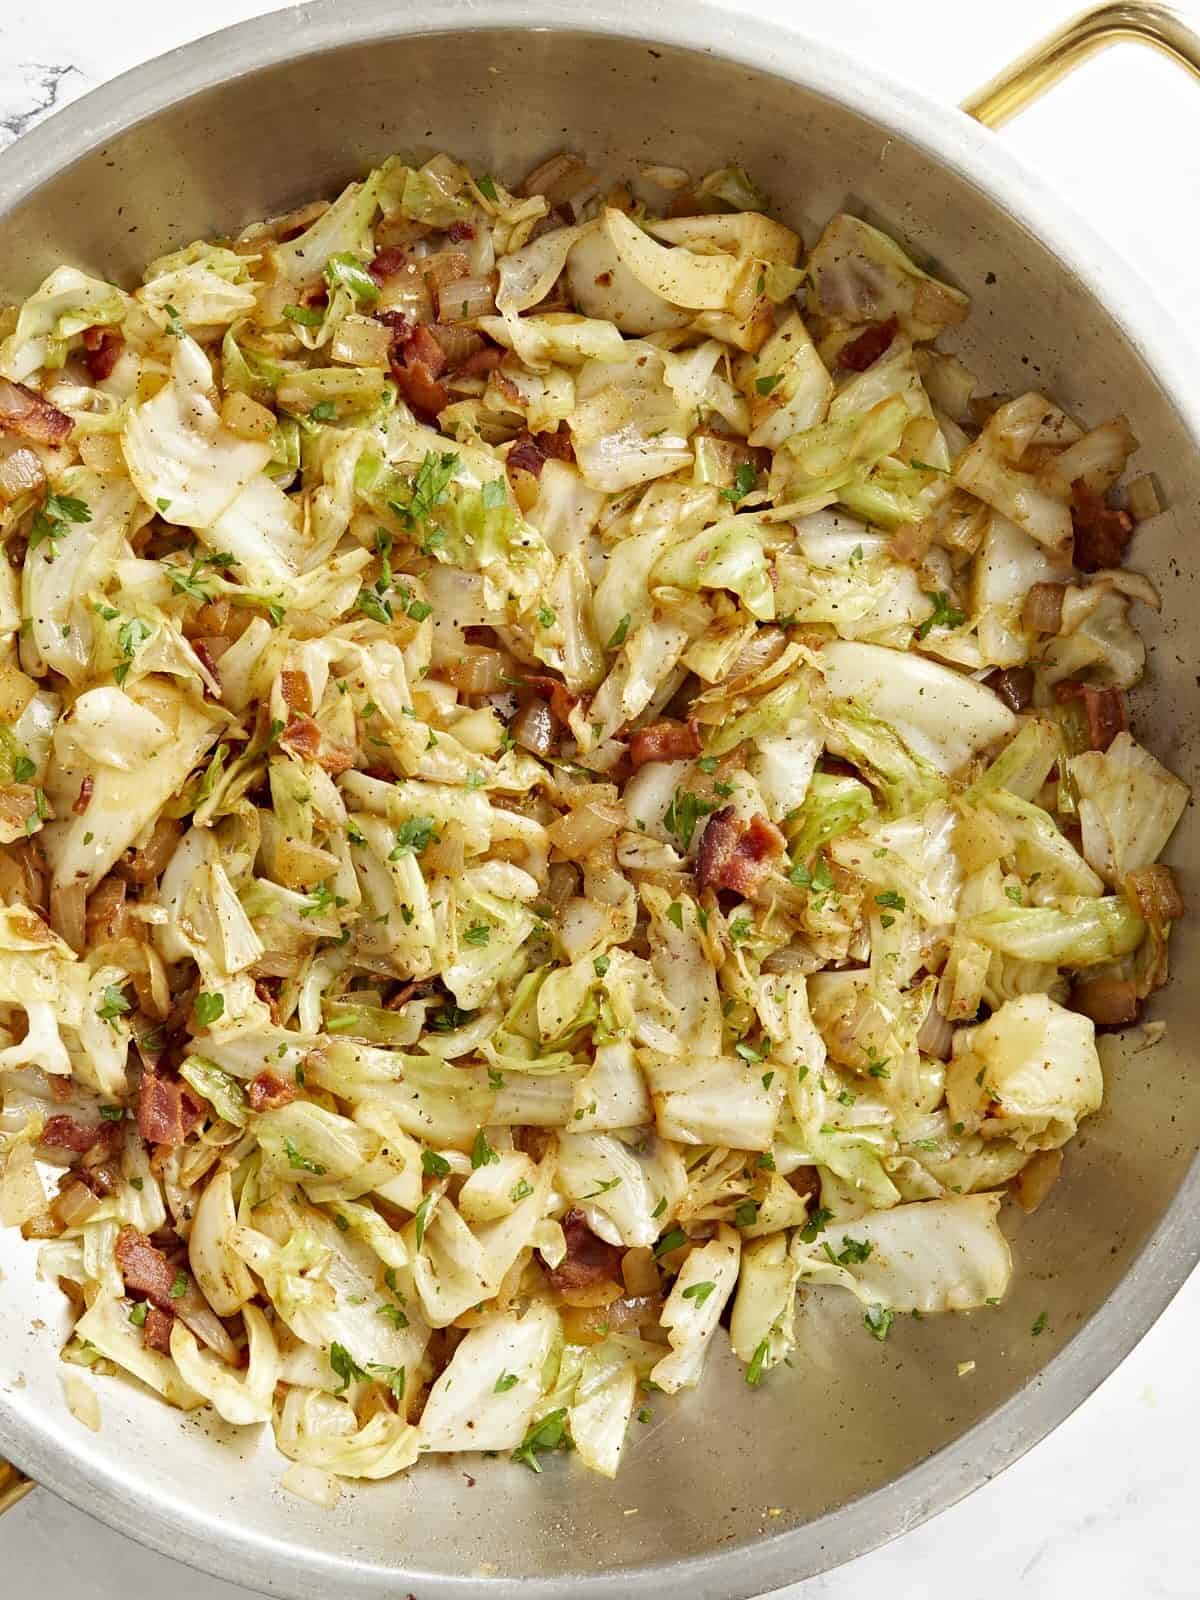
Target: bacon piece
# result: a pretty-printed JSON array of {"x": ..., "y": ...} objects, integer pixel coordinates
[
  {"x": 386, "y": 264},
  {"x": 156, "y": 1330},
  {"x": 864, "y": 350},
  {"x": 665, "y": 741},
  {"x": 458, "y": 231},
  {"x": 335, "y": 759},
  {"x": 23, "y": 411},
  {"x": 267, "y": 990},
  {"x": 103, "y": 352},
  {"x": 555, "y": 446},
  {"x": 268, "y": 1093},
  {"x": 145, "y": 1269},
  {"x": 167, "y": 1113},
  {"x": 401, "y": 325},
  {"x": 422, "y": 346},
  {"x": 296, "y": 692},
  {"x": 525, "y": 456},
  {"x": 1101, "y": 533},
  {"x": 420, "y": 388},
  {"x": 480, "y": 362},
  {"x": 589, "y": 1260},
  {"x": 1107, "y": 710},
  {"x": 302, "y": 737},
  {"x": 84, "y": 798},
  {"x": 734, "y": 854},
  {"x": 1154, "y": 894},
  {"x": 64, "y": 1133}
]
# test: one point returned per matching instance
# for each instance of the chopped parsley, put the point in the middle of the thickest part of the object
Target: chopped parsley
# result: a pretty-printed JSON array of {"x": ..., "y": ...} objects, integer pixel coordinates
[
  {"x": 550, "y": 1433},
  {"x": 878, "y": 1321},
  {"x": 744, "y": 480},
  {"x": 815, "y": 1225},
  {"x": 414, "y": 835},
  {"x": 113, "y": 1004},
  {"x": 617, "y": 637},
  {"x": 699, "y": 1292},
  {"x": 670, "y": 1241},
  {"x": 943, "y": 615},
  {"x": 433, "y": 1165},
  {"x": 209, "y": 1008},
  {"x": 297, "y": 1160},
  {"x": 684, "y": 813},
  {"x": 482, "y": 1154},
  {"x": 345, "y": 1367}
]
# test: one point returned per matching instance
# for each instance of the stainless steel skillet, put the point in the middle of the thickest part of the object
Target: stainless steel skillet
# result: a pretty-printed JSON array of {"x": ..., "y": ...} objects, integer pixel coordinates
[{"x": 730, "y": 1493}]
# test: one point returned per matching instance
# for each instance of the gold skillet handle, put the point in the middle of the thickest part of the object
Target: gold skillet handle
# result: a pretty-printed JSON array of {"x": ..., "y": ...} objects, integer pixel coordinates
[
  {"x": 14, "y": 1486},
  {"x": 1039, "y": 69}
]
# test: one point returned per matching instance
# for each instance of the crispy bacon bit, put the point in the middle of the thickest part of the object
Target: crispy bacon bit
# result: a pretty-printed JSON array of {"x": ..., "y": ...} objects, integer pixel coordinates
[
  {"x": 1154, "y": 894},
  {"x": 420, "y": 388},
  {"x": 103, "y": 353},
  {"x": 167, "y": 1113},
  {"x": 386, "y": 264},
  {"x": 64, "y": 1133},
  {"x": 1107, "y": 710},
  {"x": 401, "y": 326},
  {"x": 525, "y": 457},
  {"x": 25, "y": 412},
  {"x": 665, "y": 741},
  {"x": 84, "y": 798},
  {"x": 1101, "y": 533},
  {"x": 1014, "y": 685},
  {"x": 145, "y": 1269},
  {"x": 156, "y": 1330},
  {"x": 268, "y": 1093},
  {"x": 864, "y": 350},
  {"x": 302, "y": 737},
  {"x": 418, "y": 361},
  {"x": 458, "y": 231},
  {"x": 296, "y": 692},
  {"x": 1110, "y": 1002},
  {"x": 734, "y": 854},
  {"x": 335, "y": 759},
  {"x": 423, "y": 346},
  {"x": 480, "y": 362},
  {"x": 267, "y": 990},
  {"x": 556, "y": 446},
  {"x": 589, "y": 1260}
]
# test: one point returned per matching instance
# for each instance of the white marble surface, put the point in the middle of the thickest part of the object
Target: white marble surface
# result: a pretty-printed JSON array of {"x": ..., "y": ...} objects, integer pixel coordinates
[{"x": 1099, "y": 1508}]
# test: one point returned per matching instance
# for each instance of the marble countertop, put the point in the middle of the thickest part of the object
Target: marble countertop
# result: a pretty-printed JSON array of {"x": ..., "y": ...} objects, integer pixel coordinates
[{"x": 1099, "y": 1507}]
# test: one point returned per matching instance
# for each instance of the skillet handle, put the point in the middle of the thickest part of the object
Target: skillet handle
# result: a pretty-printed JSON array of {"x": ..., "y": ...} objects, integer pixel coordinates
[
  {"x": 1040, "y": 68},
  {"x": 14, "y": 1486}
]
